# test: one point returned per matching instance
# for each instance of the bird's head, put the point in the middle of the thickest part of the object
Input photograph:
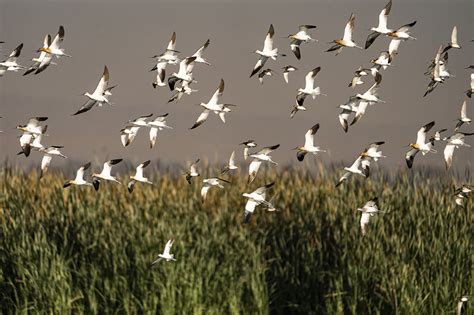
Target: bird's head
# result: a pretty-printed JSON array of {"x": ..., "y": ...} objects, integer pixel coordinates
[
  {"x": 43, "y": 49},
  {"x": 414, "y": 146}
]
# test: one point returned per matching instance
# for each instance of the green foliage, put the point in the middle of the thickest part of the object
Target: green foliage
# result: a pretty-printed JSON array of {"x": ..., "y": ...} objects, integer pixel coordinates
[{"x": 80, "y": 251}]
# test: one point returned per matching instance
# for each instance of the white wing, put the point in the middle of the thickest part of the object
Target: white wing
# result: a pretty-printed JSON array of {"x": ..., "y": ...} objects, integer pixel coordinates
[
  {"x": 80, "y": 172},
  {"x": 172, "y": 42},
  {"x": 200, "y": 51},
  {"x": 454, "y": 36},
  {"x": 204, "y": 190},
  {"x": 232, "y": 159},
  {"x": 421, "y": 135},
  {"x": 167, "y": 250},
  {"x": 217, "y": 94},
  {"x": 250, "y": 205},
  {"x": 448, "y": 154},
  {"x": 222, "y": 116},
  {"x": 153, "y": 134},
  {"x": 393, "y": 46},
  {"x": 57, "y": 39},
  {"x": 45, "y": 162},
  {"x": 268, "y": 44},
  {"x": 192, "y": 168},
  {"x": 463, "y": 111},
  {"x": 349, "y": 28},
  {"x": 383, "y": 16},
  {"x": 104, "y": 81},
  {"x": 201, "y": 119},
  {"x": 253, "y": 169},
  {"x": 309, "y": 136}
]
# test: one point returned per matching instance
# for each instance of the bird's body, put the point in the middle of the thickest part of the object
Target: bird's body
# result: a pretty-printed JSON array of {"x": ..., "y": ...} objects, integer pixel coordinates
[
  {"x": 254, "y": 199},
  {"x": 300, "y": 37},
  {"x": 54, "y": 48},
  {"x": 211, "y": 182},
  {"x": 230, "y": 166},
  {"x": 381, "y": 28},
  {"x": 10, "y": 64},
  {"x": 49, "y": 152},
  {"x": 368, "y": 210},
  {"x": 106, "y": 173},
  {"x": 267, "y": 52},
  {"x": 138, "y": 177},
  {"x": 287, "y": 70},
  {"x": 79, "y": 179},
  {"x": 192, "y": 171},
  {"x": 258, "y": 158},
  {"x": 308, "y": 146},
  {"x": 346, "y": 40},
  {"x": 100, "y": 94},
  {"x": 463, "y": 119},
  {"x": 420, "y": 145},
  {"x": 247, "y": 145},
  {"x": 157, "y": 124},
  {"x": 166, "y": 255}
]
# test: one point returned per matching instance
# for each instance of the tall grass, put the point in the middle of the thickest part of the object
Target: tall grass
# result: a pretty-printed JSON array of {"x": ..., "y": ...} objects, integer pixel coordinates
[{"x": 81, "y": 251}]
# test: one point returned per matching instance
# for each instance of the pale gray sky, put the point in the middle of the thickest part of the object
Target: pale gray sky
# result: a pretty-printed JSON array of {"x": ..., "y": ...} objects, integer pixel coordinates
[{"x": 122, "y": 35}]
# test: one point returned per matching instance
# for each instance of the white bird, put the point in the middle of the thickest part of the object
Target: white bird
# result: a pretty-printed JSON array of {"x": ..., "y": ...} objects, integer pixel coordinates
[
  {"x": 308, "y": 146},
  {"x": 247, "y": 145},
  {"x": 267, "y": 52},
  {"x": 179, "y": 91},
  {"x": 258, "y": 158},
  {"x": 360, "y": 109},
  {"x": 461, "y": 194},
  {"x": 166, "y": 253},
  {"x": 382, "y": 27},
  {"x": 309, "y": 89},
  {"x": 33, "y": 140},
  {"x": 435, "y": 73},
  {"x": 192, "y": 171},
  {"x": 254, "y": 199},
  {"x": 403, "y": 32},
  {"x": 383, "y": 60},
  {"x": 210, "y": 182},
  {"x": 267, "y": 72},
  {"x": 198, "y": 54},
  {"x": 49, "y": 152},
  {"x": 453, "y": 142},
  {"x": 138, "y": 177},
  {"x": 371, "y": 151},
  {"x": 346, "y": 40},
  {"x": 471, "y": 90},
  {"x": 10, "y": 64},
  {"x": 360, "y": 166},
  {"x": 79, "y": 180},
  {"x": 213, "y": 105},
  {"x": 393, "y": 47},
  {"x": 368, "y": 210},
  {"x": 170, "y": 54},
  {"x": 463, "y": 299},
  {"x": 454, "y": 40},
  {"x": 54, "y": 48},
  {"x": 105, "y": 174},
  {"x": 420, "y": 144},
  {"x": 128, "y": 134},
  {"x": 464, "y": 119},
  {"x": 230, "y": 165},
  {"x": 299, "y": 104},
  {"x": 160, "y": 68},
  {"x": 371, "y": 94},
  {"x": 43, "y": 58},
  {"x": 357, "y": 78},
  {"x": 184, "y": 73},
  {"x": 33, "y": 126},
  {"x": 158, "y": 124},
  {"x": 301, "y": 37},
  {"x": 98, "y": 97},
  {"x": 287, "y": 70}
]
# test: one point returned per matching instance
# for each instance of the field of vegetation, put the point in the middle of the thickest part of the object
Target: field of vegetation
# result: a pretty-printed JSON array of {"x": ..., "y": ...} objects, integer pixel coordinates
[{"x": 75, "y": 250}]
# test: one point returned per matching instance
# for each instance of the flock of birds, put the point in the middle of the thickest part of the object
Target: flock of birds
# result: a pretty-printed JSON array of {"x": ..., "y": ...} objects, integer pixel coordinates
[{"x": 180, "y": 84}]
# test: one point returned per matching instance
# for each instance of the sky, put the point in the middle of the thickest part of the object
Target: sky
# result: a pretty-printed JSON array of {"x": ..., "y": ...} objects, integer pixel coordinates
[{"x": 124, "y": 34}]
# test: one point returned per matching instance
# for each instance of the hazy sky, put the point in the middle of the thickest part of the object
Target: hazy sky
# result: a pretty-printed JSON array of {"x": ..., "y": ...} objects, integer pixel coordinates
[{"x": 123, "y": 35}]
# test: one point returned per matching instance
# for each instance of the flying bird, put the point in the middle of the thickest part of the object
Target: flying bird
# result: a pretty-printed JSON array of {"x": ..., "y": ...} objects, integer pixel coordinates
[
  {"x": 128, "y": 134},
  {"x": 368, "y": 210},
  {"x": 420, "y": 144},
  {"x": 49, "y": 152},
  {"x": 453, "y": 142},
  {"x": 464, "y": 119},
  {"x": 43, "y": 58},
  {"x": 454, "y": 41},
  {"x": 258, "y": 158},
  {"x": 184, "y": 73},
  {"x": 79, "y": 180},
  {"x": 166, "y": 253},
  {"x": 403, "y": 32},
  {"x": 230, "y": 165},
  {"x": 266, "y": 72},
  {"x": 198, "y": 54},
  {"x": 10, "y": 64},
  {"x": 309, "y": 89},
  {"x": 257, "y": 197},
  {"x": 105, "y": 174},
  {"x": 98, "y": 97},
  {"x": 247, "y": 145},
  {"x": 157, "y": 124},
  {"x": 462, "y": 194},
  {"x": 169, "y": 56},
  {"x": 382, "y": 27},
  {"x": 54, "y": 48},
  {"x": 346, "y": 40},
  {"x": 287, "y": 70},
  {"x": 210, "y": 182},
  {"x": 301, "y": 37},
  {"x": 192, "y": 171},
  {"x": 371, "y": 151},
  {"x": 267, "y": 52},
  {"x": 308, "y": 146},
  {"x": 463, "y": 299},
  {"x": 360, "y": 166},
  {"x": 138, "y": 177}
]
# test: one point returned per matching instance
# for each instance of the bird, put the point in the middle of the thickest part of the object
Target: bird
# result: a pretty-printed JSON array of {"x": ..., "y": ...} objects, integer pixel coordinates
[
  {"x": 179, "y": 91},
  {"x": 210, "y": 182},
  {"x": 49, "y": 152},
  {"x": 33, "y": 140},
  {"x": 105, "y": 174},
  {"x": 301, "y": 37},
  {"x": 383, "y": 60},
  {"x": 138, "y": 177},
  {"x": 160, "y": 68},
  {"x": 464, "y": 119},
  {"x": 267, "y": 52},
  {"x": 471, "y": 89},
  {"x": 184, "y": 73},
  {"x": 166, "y": 253},
  {"x": 368, "y": 210},
  {"x": 258, "y": 158},
  {"x": 128, "y": 134},
  {"x": 192, "y": 171},
  {"x": 254, "y": 199},
  {"x": 420, "y": 144},
  {"x": 299, "y": 104},
  {"x": 463, "y": 299},
  {"x": 360, "y": 166},
  {"x": 454, "y": 41},
  {"x": 357, "y": 78},
  {"x": 159, "y": 123},
  {"x": 382, "y": 27},
  {"x": 79, "y": 180},
  {"x": 393, "y": 47},
  {"x": 169, "y": 56},
  {"x": 214, "y": 106},
  {"x": 44, "y": 58},
  {"x": 247, "y": 145},
  {"x": 461, "y": 194},
  {"x": 98, "y": 97},
  {"x": 359, "y": 110},
  {"x": 30, "y": 133},
  {"x": 198, "y": 54},
  {"x": 54, "y": 48},
  {"x": 435, "y": 73},
  {"x": 267, "y": 72},
  {"x": 371, "y": 95},
  {"x": 10, "y": 64},
  {"x": 287, "y": 70},
  {"x": 403, "y": 32},
  {"x": 309, "y": 89},
  {"x": 346, "y": 40},
  {"x": 453, "y": 142},
  {"x": 33, "y": 126},
  {"x": 371, "y": 151},
  {"x": 230, "y": 165},
  {"x": 308, "y": 146}
]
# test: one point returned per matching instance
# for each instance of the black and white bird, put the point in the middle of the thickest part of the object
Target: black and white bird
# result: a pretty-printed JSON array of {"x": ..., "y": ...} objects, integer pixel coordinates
[
  {"x": 267, "y": 52},
  {"x": 105, "y": 174},
  {"x": 79, "y": 179},
  {"x": 10, "y": 64},
  {"x": 301, "y": 37},
  {"x": 463, "y": 119},
  {"x": 199, "y": 53},
  {"x": 157, "y": 124},
  {"x": 54, "y": 48},
  {"x": 308, "y": 146},
  {"x": 258, "y": 158},
  {"x": 99, "y": 96},
  {"x": 420, "y": 145},
  {"x": 454, "y": 41},
  {"x": 267, "y": 72},
  {"x": 247, "y": 145},
  {"x": 166, "y": 255},
  {"x": 255, "y": 198},
  {"x": 138, "y": 177},
  {"x": 49, "y": 152},
  {"x": 211, "y": 182},
  {"x": 287, "y": 70},
  {"x": 382, "y": 28},
  {"x": 453, "y": 142},
  {"x": 361, "y": 166},
  {"x": 43, "y": 59},
  {"x": 192, "y": 172},
  {"x": 346, "y": 40},
  {"x": 368, "y": 210},
  {"x": 230, "y": 166}
]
